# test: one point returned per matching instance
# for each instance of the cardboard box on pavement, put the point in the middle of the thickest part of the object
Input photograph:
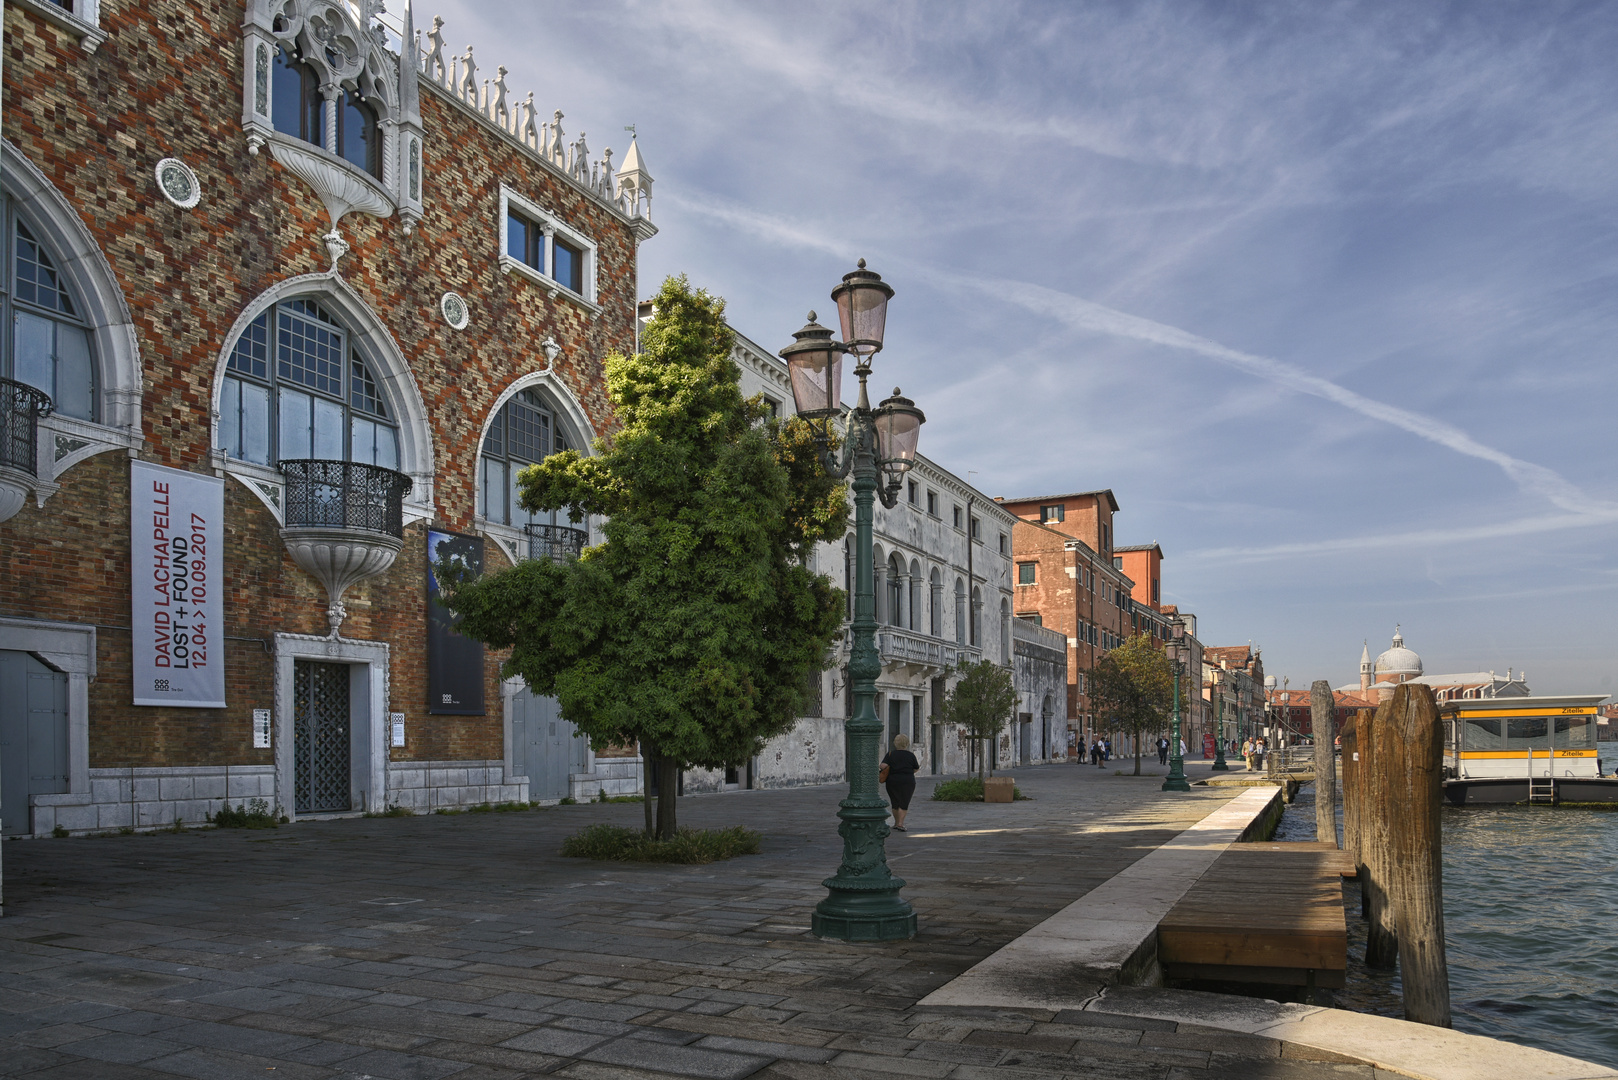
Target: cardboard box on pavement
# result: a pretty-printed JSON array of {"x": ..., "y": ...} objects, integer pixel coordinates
[{"x": 998, "y": 789}]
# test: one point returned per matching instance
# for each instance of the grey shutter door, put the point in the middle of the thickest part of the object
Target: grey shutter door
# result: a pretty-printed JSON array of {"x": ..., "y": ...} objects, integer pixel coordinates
[
  {"x": 33, "y": 737},
  {"x": 547, "y": 746}
]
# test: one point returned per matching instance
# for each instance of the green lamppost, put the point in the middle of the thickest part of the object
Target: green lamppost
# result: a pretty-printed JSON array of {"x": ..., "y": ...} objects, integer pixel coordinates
[
  {"x": 1178, "y": 650},
  {"x": 1219, "y": 728},
  {"x": 879, "y": 447}
]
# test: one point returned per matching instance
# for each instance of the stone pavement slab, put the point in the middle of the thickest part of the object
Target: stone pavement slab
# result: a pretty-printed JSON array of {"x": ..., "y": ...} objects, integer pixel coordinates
[{"x": 464, "y": 946}]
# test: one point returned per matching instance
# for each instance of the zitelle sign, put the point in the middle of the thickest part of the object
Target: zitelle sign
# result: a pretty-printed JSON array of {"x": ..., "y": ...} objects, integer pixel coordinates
[
  {"x": 176, "y": 532},
  {"x": 454, "y": 663}
]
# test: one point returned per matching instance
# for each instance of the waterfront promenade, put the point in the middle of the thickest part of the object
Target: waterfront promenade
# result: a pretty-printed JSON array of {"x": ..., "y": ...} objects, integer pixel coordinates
[{"x": 463, "y": 946}]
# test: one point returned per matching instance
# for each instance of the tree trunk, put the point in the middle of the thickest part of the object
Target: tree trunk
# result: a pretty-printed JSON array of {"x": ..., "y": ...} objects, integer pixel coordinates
[
  {"x": 646, "y": 790},
  {"x": 983, "y": 761},
  {"x": 1351, "y": 795},
  {"x": 1382, "y": 939},
  {"x": 668, "y": 785},
  {"x": 1323, "y": 712},
  {"x": 1137, "y": 755},
  {"x": 1413, "y": 766}
]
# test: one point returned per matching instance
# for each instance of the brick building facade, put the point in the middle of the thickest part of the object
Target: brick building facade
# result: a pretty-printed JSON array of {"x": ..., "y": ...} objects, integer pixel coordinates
[{"x": 267, "y": 239}]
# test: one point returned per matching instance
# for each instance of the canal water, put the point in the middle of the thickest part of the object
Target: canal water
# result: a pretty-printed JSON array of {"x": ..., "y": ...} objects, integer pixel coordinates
[{"x": 1530, "y": 902}]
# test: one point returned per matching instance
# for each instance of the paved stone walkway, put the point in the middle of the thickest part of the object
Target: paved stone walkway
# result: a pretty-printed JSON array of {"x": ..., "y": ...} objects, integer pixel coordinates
[{"x": 463, "y": 946}]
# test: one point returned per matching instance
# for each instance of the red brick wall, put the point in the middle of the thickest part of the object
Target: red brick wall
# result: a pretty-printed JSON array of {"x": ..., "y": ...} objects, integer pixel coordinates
[{"x": 167, "y": 83}]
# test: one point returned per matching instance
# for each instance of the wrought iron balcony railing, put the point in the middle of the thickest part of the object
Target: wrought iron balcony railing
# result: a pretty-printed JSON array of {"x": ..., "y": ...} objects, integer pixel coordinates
[
  {"x": 21, "y": 408},
  {"x": 555, "y": 542},
  {"x": 344, "y": 495}
]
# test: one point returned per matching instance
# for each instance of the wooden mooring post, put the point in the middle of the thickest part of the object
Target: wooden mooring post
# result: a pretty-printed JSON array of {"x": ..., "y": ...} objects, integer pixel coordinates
[
  {"x": 1410, "y": 756},
  {"x": 1351, "y": 802},
  {"x": 1322, "y": 716},
  {"x": 1382, "y": 942}
]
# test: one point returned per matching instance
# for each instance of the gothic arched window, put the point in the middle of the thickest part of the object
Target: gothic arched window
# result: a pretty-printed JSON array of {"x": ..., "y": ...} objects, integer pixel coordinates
[
  {"x": 48, "y": 346},
  {"x": 296, "y": 388},
  {"x": 524, "y": 433},
  {"x": 299, "y": 110}
]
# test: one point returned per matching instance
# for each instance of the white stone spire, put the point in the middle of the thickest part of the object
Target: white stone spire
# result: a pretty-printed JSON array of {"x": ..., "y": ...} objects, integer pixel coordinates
[{"x": 634, "y": 181}]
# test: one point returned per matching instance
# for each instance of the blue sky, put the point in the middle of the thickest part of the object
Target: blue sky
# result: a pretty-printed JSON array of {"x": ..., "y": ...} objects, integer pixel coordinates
[{"x": 1323, "y": 292}]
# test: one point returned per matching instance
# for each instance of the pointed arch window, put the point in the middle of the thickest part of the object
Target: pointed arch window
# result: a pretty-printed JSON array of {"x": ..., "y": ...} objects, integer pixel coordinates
[
  {"x": 47, "y": 343},
  {"x": 296, "y": 388},
  {"x": 299, "y": 111},
  {"x": 524, "y": 433}
]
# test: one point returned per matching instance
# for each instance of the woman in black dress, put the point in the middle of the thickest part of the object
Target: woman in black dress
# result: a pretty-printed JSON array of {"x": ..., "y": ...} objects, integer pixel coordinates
[{"x": 902, "y": 766}]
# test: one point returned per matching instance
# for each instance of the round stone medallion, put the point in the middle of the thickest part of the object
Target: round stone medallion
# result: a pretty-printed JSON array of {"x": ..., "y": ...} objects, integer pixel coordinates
[
  {"x": 178, "y": 183},
  {"x": 455, "y": 310}
]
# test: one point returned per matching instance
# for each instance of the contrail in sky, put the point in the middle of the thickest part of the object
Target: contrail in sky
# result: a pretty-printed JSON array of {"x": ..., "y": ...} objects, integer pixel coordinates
[{"x": 1086, "y": 315}]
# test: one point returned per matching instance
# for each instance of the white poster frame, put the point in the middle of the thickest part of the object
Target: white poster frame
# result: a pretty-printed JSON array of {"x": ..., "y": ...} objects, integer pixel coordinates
[{"x": 176, "y": 570}]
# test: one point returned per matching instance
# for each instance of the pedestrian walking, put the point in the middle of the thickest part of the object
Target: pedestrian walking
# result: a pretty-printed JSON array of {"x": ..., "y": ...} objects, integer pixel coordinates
[
  {"x": 901, "y": 767},
  {"x": 1162, "y": 751}
]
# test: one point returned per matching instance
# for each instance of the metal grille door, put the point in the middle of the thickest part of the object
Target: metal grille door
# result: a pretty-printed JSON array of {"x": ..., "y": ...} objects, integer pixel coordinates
[{"x": 320, "y": 737}]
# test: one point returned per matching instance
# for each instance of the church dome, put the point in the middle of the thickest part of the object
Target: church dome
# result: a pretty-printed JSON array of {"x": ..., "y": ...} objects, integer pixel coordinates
[{"x": 1398, "y": 660}]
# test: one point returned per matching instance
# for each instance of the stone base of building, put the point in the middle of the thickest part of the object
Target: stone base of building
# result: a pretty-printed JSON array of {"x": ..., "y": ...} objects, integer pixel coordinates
[
  {"x": 152, "y": 798},
  {"x": 615, "y": 775},
  {"x": 425, "y": 786}
]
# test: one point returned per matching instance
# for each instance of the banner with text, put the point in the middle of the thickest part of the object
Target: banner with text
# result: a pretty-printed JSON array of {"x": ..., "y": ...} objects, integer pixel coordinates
[{"x": 176, "y": 534}]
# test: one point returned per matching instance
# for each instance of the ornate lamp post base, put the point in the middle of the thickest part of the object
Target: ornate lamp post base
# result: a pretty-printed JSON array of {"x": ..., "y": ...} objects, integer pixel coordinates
[{"x": 874, "y": 916}]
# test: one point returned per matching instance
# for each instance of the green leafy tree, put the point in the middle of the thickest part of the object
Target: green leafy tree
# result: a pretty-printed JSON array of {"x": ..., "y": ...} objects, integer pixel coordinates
[
  {"x": 1133, "y": 686},
  {"x": 981, "y": 701},
  {"x": 694, "y": 629}
]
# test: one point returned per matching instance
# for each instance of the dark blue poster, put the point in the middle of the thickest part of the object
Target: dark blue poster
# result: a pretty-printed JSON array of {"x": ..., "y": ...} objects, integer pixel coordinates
[{"x": 454, "y": 663}]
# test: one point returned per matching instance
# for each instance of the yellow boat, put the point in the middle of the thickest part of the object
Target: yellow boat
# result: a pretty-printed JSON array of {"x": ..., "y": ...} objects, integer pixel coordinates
[{"x": 1524, "y": 750}]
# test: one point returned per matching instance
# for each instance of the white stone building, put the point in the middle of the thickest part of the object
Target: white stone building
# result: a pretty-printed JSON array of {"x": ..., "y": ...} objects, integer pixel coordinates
[{"x": 941, "y": 600}]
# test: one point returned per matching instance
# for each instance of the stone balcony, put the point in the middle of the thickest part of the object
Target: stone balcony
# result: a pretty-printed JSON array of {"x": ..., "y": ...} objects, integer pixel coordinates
[
  {"x": 900, "y": 647},
  {"x": 344, "y": 523}
]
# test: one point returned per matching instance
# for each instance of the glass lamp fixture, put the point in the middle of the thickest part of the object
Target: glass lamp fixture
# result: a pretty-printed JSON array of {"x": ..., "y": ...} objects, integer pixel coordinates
[
  {"x": 898, "y": 430},
  {"x": 862, "y": 307},
  {"x": 815, "y": 363}
]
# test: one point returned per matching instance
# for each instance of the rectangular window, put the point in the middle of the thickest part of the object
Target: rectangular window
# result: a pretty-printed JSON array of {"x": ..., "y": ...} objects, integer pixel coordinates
[
  {"x": 957, "y": 521},
  {"x": 545, "y": 248},
  {"x": 1033, "y": 617},
  {"x": 1157, "y": 594},
  {"x": 244, "y": 421},
  {"x": 492, "y": 492},
  {"x": 569, "y": 269},
  {"x": 1026, "y": 572},
  {"x": 977, "y": 533},
  {"x": 525, "y": 242},
  {"x": 1053, "y": 513},
  {"x": 932, "y": 503},
  {"x": 1002, "y": 543},
  {"x": 772, "y": 409},
  {"x": 912, "y": 493}
]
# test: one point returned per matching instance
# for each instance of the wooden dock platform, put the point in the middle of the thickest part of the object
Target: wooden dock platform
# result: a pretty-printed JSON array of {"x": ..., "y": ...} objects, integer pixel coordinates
[{"x": 1263, "y": 913}]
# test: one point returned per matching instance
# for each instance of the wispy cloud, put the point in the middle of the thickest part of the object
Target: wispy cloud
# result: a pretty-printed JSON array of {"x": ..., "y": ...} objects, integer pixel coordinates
[
  {"x": 1088, "y": 316},
  {"x": 1419, "y": 539}
]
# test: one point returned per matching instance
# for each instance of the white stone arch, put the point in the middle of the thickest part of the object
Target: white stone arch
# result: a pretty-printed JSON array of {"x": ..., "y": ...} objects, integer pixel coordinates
[
  {"x": 368, "y": 335},
  {"x": 566, "y": 411},
  {"x": 118, "y": 370}
]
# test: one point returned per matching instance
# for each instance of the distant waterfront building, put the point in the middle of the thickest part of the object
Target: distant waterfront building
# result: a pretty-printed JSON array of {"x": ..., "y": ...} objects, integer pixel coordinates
[
  {"x": 943, "y": 579},
  {"x": 1401, "y": 665}
]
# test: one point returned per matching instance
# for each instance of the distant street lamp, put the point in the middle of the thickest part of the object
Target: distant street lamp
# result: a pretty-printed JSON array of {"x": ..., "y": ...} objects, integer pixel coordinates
[
  {"x": 879, "y": 447},
  {"x": 1178, "y": 651},
  {"x": 1219, "y": 764}
]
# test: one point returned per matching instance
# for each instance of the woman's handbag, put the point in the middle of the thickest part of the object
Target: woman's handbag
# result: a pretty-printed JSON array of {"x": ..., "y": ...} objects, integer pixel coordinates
[{"x": 882, "y": 774}]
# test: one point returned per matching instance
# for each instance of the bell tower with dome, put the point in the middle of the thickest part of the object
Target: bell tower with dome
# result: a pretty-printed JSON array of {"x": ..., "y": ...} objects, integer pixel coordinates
[{"x": 1401, "y": 665}]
